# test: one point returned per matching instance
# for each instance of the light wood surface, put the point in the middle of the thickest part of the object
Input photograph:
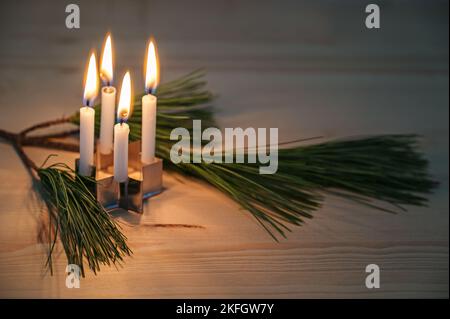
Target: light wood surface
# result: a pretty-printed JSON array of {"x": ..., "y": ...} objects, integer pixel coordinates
[{"x": 309, "y": 68}]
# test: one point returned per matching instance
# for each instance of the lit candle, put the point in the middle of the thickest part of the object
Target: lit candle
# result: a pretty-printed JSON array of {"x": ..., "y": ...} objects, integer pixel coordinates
[
  {"x": 108, "y": 99},
  {"x": 148, "y": 134},
  {"x": 87, "y": 119},
  {"x": 121, "y": 131}
]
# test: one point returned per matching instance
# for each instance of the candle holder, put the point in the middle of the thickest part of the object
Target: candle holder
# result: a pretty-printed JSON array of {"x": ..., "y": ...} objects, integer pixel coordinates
[
  {"x": 149, "y": 175},
  {"x": 144, "y": 180}
]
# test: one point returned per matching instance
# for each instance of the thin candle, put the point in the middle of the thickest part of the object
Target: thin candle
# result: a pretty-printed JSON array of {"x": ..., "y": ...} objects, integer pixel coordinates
[
  {"x": 122, "y": 131},
  {"x": 108, "y": 98},
  {"x": 87, "y": 118},
  {"x": 149, "y": 100}
]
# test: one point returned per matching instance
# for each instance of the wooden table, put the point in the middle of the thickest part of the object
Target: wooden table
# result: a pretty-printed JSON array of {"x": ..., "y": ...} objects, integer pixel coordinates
[{"x": 309, "y": 68}]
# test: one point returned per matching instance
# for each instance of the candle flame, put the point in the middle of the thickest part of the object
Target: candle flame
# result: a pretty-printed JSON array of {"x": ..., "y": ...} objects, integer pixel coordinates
[
  {"x": 125, "y": 99},
  {"x": 91, "y": 82},
  {"x": 106, "y": 68},
  {"x": 151, "y": 68}
]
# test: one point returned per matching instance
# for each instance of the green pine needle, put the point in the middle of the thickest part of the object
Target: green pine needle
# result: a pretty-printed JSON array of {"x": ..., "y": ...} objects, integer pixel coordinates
[
  {"x": 87, "y": 232},
  {"x": 370, "y": 171}
]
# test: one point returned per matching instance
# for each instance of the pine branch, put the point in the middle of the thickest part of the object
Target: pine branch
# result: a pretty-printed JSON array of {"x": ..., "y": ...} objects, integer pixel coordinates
[
  {"x": 45, "y": 125},
  {"x": 50, "y": 144},
  {"x": 367, "y": 170},
  {"x": 85, "y": 229}
]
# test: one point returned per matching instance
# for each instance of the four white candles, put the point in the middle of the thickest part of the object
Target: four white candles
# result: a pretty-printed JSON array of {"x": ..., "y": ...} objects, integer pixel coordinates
[
  {"x": 87, "y": 119},
  {"x": 148, "y": 134},
  {"x": 108, "y": 99},
  {"x": 121, "y": 131}
]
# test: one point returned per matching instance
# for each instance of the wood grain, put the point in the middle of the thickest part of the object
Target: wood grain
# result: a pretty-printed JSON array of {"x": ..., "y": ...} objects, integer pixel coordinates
[{"x": 309, "y": 68}]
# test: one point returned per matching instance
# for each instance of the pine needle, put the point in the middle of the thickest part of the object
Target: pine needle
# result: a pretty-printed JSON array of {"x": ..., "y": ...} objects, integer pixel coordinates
[
  {"x": 369, "y": 171},
  {"x": 87, "y": 232}
]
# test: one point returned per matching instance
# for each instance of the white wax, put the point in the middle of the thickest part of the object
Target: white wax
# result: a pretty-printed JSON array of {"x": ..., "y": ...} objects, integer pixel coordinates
[
  {"x": 121, "y": 132},
  {"x": 148, "y": 134},
  {"x": 107, "y": 119},
  {"x": 87, "y": 118}
]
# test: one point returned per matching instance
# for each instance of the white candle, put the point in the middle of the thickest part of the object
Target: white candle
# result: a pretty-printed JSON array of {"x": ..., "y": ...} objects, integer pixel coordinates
[
  {"x": 87, "y": 119},
  {"x": 121, "y": 131},
  {"x": 148, "y": 128},
  {"x": 108, "y": 99},
  {"x": 107, "y": 119},
  {"x": 148, "y": 134}
]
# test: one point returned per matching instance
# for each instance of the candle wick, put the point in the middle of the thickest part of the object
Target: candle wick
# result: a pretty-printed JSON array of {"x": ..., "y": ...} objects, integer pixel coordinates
[{"x": 149, "y": 90}]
